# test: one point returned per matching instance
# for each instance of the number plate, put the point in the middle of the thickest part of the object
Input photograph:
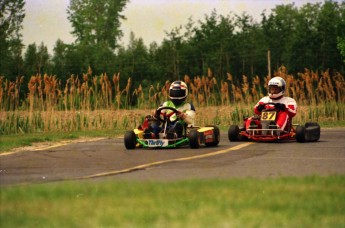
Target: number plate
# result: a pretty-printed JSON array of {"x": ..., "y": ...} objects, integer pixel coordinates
[
  {"x": 157, "y": 142},
  {"x": 269, "y": 115}
]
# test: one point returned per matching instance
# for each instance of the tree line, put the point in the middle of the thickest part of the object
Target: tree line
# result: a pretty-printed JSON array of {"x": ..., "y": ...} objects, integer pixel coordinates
[{"x": 311, "y": 36}]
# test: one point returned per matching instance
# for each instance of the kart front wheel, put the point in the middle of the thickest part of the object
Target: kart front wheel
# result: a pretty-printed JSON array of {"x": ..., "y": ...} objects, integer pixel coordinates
[
  {"x": 193, "y": 138},
  {"x": 234, "y": 133},
  {"x": 312, "y": 131},
  {"x": 300, "y": 134},
  {"x": 130, "y": 140}
]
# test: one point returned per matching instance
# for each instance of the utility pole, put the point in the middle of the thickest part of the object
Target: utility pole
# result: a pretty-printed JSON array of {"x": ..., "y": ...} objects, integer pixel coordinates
[{"x": 269, "y": 63}]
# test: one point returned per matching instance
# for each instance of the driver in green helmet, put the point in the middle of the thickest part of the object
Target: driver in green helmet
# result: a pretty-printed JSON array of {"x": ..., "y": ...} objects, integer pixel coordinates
[{"x": 178, "y": 93}]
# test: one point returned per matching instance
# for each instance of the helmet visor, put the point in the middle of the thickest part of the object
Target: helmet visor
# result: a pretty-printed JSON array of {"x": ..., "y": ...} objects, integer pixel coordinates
[
  {"x": 274, "y": 89},
  {"x": 177, "y": 94}
]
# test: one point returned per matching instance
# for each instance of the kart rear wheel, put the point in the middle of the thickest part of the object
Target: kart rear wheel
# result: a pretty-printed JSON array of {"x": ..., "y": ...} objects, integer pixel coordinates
[
  {"x": 194, "y": 141},
  {"x": 234, "y": 133},
  {"x": 312, "y": 131},
  {"x": 130, "y": 140},
  {"x": 216, "y": 136},
  {"x": 300, "y": 133}
]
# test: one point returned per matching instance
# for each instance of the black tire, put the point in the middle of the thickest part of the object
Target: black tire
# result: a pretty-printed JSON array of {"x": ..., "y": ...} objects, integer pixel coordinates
[
  {"x": 193, "y": 138},
  {"x": 130, "y": 140},
  {"x": 312, "y": 133},
  {"x": 234, "y": 133},
  {"x": 216, "y": 136},
  {"x": 300, "y": 134}
]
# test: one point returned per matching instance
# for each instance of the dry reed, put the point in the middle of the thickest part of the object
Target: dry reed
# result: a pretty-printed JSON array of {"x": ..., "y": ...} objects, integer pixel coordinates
[{"x": 98, "y": 102}]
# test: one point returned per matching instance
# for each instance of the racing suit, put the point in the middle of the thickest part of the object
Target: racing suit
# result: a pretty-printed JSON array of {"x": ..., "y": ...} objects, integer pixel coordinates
[
  {"x": 186, "y": 108},
  {"x": 284, "y": 118},
  {"x": 186, "y": 117}
]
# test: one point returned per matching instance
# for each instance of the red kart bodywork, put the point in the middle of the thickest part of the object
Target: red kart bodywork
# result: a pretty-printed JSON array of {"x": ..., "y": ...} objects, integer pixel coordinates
[
  {"x": 264, "y": 129},
  {"x": 273, "y": 134}
]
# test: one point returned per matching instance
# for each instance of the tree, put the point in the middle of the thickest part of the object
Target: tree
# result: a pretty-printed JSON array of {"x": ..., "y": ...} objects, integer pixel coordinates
[
  {"x": 96, "y": 26},
  {"x": 251, "y": 46},
  {"x": 341, "y": 47},
  {"x": 77, "y": 59},
  {"x": 30, "y": 59},
  {"x": 43, "y": 59},
  {"x": 11, "y": 18},
  {"x": 174, "y": 45},
  {"x": 305, "y": 41},
  {"x": 328, "y": 28},
  {"x": 96, "y": 21},
  {"x": 278, "y": 29},
  {"x": 139, "y": 59},
  {"x": 134, "y": 62},
  {"x": 59, "y": 59},
  {"x": 36, "y": 60}
]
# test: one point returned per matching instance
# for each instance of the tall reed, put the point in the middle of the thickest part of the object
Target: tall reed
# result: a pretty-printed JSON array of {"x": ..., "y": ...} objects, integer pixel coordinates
[{"x": 96, "y": 102}]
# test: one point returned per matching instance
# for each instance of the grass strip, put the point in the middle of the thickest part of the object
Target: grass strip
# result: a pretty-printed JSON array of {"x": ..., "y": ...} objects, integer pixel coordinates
[
  {"x": 8, "y": 142},
  {"x": 277, "y": 202}
]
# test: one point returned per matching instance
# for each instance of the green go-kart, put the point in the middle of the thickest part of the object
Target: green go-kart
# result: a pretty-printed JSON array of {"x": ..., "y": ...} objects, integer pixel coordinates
[{"x": 193, "y": 136}]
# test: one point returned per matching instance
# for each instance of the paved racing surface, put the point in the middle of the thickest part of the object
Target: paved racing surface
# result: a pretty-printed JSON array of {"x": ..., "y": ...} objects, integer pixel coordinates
[{"x": 108, "y": 159}]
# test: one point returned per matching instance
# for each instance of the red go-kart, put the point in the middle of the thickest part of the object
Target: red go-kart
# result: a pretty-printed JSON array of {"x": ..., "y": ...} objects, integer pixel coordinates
[{"x": 263, "y": 128}]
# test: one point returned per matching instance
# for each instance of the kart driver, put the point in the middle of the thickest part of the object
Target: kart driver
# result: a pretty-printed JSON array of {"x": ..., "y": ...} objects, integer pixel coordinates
[
  {"x": 286, "y": 106},
  {"x": 178, "y": 93}
]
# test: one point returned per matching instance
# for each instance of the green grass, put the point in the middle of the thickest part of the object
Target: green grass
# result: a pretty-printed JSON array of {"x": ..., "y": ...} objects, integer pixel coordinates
[
  {"x": 330, "y": 124},
  {"x": 8, "y": 142},
  {"x": 282, "y": 202}
]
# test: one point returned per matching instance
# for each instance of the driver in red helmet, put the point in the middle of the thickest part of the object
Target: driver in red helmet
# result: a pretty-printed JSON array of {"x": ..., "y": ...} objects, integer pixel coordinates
[
  {"x": 286, "y": 106},
  {"x": 178, "y": 93}
]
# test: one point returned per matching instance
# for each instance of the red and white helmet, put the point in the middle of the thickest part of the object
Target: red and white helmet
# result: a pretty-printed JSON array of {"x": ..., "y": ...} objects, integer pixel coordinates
[
  {"x": 276, "y": 82},
  {"x": 178, "y": 92}
]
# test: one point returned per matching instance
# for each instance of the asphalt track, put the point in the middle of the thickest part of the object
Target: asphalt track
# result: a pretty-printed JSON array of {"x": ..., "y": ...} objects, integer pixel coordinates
[{"x": 108, "y": 159}]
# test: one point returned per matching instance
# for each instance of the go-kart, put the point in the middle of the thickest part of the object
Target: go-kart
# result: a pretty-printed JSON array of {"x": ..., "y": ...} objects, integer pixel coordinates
[
  {"x": 193, "y": 136},
  {"x": 264, "y": 128}
]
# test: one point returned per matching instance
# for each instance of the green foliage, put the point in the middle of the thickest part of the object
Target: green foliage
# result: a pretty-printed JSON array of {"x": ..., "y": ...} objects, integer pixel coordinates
[
  {"x": 30, "y": 60},
  {"x": 36, "y": 59},
  {"x": 298, "y": 38},
  {"x": 328, "y": 28},
  {"x": 96, "y": 22},
  {"x": 59, "y": 59},
  {"x": 12, "y": 15},
  {"x": 341, "y": 47},
  {"x": 11, "y": 19}
]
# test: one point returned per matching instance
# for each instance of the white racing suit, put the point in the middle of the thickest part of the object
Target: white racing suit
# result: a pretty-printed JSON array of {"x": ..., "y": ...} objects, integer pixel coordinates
[{"x": 284, "y": 118}]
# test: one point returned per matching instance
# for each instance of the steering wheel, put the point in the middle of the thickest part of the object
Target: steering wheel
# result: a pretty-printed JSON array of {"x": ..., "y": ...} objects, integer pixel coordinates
[
  {"x": 159, "y": 114},
  {"x": 272, "y": 103}
]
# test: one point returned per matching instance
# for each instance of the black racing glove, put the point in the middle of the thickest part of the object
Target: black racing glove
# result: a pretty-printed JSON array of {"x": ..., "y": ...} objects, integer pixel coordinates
[
  {"x": 156, "y": 116},
  {"x": 280, "y": 106},
  {"x": 260, "y": 107},
  {"x": 149, "y": 117}
]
